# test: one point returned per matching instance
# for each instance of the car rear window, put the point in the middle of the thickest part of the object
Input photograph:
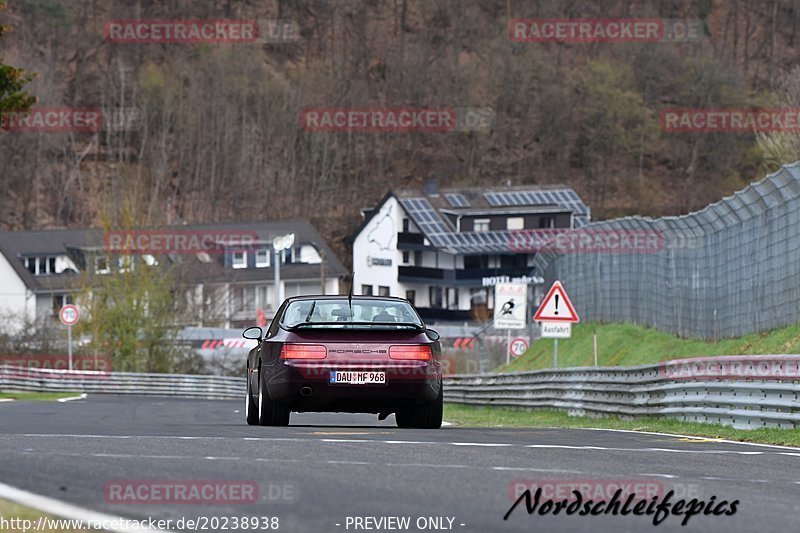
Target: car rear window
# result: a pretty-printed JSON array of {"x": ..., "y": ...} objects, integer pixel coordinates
[{"x": 358, "y": 312}]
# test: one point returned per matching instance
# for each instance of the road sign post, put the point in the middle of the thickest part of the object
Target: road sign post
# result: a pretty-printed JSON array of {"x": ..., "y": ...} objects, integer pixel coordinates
[
  {"x": 69, "y": 316},
  {"x": 556, "y": 314},
  {"x": 510, "y": 310},
  {"x": 279, "y": 244}
]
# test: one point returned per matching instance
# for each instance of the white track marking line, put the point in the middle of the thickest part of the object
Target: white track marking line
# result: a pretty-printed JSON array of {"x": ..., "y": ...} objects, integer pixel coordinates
[
  {"x": 526, "y": 469},
  {"x": 658, "y": 450},
  {"x": 68, "y": 511},
  {"x": 693, "y": 437},
  {"x": 71, "y": 398},
  {"x": 7, "y": 400},
  {"x": 484, "y": 444},
  {"x": 437, "y": 443}
]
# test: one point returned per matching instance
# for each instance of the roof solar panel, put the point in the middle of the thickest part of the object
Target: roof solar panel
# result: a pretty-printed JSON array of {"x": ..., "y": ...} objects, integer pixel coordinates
[
  {"x": 457, "y": 200},
  {"x": 442, "y": 235}
]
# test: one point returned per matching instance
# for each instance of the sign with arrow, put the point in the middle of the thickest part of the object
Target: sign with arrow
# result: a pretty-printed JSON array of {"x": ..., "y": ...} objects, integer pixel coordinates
[{"x": 556, "y": 306}]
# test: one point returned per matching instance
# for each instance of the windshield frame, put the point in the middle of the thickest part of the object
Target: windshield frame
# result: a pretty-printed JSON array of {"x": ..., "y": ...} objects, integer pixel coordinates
[{"x": 417, "y": 324}]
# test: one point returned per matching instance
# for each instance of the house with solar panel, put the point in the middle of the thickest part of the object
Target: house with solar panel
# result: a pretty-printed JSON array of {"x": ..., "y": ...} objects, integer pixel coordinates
[{"x": 444, "y": 250}]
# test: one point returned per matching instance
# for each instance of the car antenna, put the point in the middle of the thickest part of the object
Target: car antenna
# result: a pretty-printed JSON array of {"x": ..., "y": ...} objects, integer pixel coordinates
[{"x": 350, "y": 294}]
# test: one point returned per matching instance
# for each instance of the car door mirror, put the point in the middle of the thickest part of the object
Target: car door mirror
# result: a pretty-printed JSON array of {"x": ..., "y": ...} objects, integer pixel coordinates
[
  {"x": 432, "y": 334},
  {"x": 253, "y": 333}
]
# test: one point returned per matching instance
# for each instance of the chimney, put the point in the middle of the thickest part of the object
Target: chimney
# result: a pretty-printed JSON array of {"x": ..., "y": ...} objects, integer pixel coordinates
[{"x": 431, "y": 187}]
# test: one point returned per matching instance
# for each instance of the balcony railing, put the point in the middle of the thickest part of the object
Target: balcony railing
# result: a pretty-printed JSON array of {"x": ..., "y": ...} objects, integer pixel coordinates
[{"x": 465, "y": 274}]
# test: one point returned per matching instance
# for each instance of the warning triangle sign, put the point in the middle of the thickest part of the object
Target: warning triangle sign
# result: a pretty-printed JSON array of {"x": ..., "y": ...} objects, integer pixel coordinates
[{"x": 556, "y": 306}]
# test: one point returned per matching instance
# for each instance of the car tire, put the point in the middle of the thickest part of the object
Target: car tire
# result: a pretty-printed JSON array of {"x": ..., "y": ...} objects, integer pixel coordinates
[
  {"x": 251, "y": 409},
  {"x": 428, "y": 416},
  {"x": 270, "y": 413}
]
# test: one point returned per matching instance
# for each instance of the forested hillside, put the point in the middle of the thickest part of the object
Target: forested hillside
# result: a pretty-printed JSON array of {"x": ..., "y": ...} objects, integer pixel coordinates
[{"x": 219, "y": 135}]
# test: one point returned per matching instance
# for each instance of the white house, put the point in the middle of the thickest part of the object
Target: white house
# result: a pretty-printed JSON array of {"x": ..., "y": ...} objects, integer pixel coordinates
[
  {"x": 445, "y": 249},
  {"x": 41, "y": 270}
]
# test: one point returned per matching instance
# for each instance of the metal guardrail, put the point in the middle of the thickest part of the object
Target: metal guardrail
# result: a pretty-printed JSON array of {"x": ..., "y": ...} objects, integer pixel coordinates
[
  {"x": 745, "y": 392},
  {"x": 14, "y": 378},
  {"x": 742, "y": 391}
]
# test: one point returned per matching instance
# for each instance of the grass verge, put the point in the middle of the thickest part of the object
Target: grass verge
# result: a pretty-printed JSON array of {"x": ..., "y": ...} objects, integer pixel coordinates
[
  {"x": 27, "y": 519},
  {"x": 473, "y": 416},
  {"x": 40, "y": 396},
  {"x": 629, "y": 344}
]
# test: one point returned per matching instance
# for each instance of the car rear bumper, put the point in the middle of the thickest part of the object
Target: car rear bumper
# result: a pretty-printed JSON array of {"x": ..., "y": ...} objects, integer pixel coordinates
[{"x": 306, "y": 386}]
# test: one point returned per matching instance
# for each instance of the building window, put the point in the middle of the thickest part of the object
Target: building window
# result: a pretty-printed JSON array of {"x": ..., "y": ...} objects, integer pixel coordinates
[
  {"x": 243, "y": 299},
  {"x": 435, "y": 297},
  {"x": 261, "y": 299},
  {"x": 239, "y": 259},
  {"x": 515, "y": 223},
  {"x": 59, "y": 301},
  {"x": 366, "y": 290},
  {"x": 262, "y": 258},
  {"x": 238, "y": 299},
  {"x": 125, "y": 263},
  {"x": 405, "y": 225},
  {"x": 481, "y": 225},
  {"x": 383, "y": 290},
  {"x": 411, "y": 296},
  {"x": 478, "y": 297},
  {"x": 547, "y": 222},
  {"x": 452, "y": 298},
  {"x": 40, "y": 265},
  {"x": 418, "y": 258},
  {"x": 406, "y": 257},
  {"x": 101, "y": 265}
]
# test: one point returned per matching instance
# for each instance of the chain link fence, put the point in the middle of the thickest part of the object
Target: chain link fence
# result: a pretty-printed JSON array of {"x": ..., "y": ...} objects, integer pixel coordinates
[{"x": 728, "y": 270}]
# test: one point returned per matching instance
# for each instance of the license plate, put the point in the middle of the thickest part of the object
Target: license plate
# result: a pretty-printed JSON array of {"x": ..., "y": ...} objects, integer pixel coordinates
[{"x": 358, "y": 378}]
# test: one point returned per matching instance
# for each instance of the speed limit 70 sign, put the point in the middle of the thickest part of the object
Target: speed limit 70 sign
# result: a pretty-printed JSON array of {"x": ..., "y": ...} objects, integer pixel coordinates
[
  {"x": 519, "y": 346},
  {"x": 69, "y": 315}
]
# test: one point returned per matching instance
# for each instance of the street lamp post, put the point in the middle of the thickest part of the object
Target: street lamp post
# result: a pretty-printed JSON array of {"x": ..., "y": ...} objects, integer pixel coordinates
[{"x": 279, "y": 244}]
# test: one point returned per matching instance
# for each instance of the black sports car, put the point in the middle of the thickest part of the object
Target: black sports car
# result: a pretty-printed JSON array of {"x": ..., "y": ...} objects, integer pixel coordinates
[{"x": 360, "y": 354}]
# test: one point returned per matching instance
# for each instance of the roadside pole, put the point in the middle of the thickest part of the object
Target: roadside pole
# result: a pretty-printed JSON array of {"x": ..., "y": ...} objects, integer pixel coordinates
[
  {"x": 279, "y": 244},
  {"x": 555, "y": 353},
  {"x": 510, "y": 310},
  {"x": 595, "y": 349},
  {"x": 69, "y": 346},
  {"x": 69, "y": 316}
]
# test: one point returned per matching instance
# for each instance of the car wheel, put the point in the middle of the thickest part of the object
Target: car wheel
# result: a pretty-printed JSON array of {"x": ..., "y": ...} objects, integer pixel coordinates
[
  {"x": 270, "y": 413},
  {"x": 427, "y": 416},
  {"x": 250, "y": 409}
]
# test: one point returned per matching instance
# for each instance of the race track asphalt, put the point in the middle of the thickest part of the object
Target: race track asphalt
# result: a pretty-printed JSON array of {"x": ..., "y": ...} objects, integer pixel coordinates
[{"x": 325, "y": 470}]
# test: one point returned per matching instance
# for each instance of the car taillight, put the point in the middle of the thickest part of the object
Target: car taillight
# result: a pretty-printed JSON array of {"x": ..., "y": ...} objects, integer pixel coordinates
[
  {"x": 303, "y": 351},
  {"x": 416, "y": 352}
]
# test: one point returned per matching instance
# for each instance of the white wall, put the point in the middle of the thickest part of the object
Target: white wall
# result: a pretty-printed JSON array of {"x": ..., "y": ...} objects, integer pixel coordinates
[
  {"x": 378, "y": 240},
  {"x": 14, "y": 297}
]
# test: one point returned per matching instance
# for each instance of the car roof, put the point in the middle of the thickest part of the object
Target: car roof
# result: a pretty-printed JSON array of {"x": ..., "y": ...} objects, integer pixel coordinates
[{"x": 344, "y": 297}]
